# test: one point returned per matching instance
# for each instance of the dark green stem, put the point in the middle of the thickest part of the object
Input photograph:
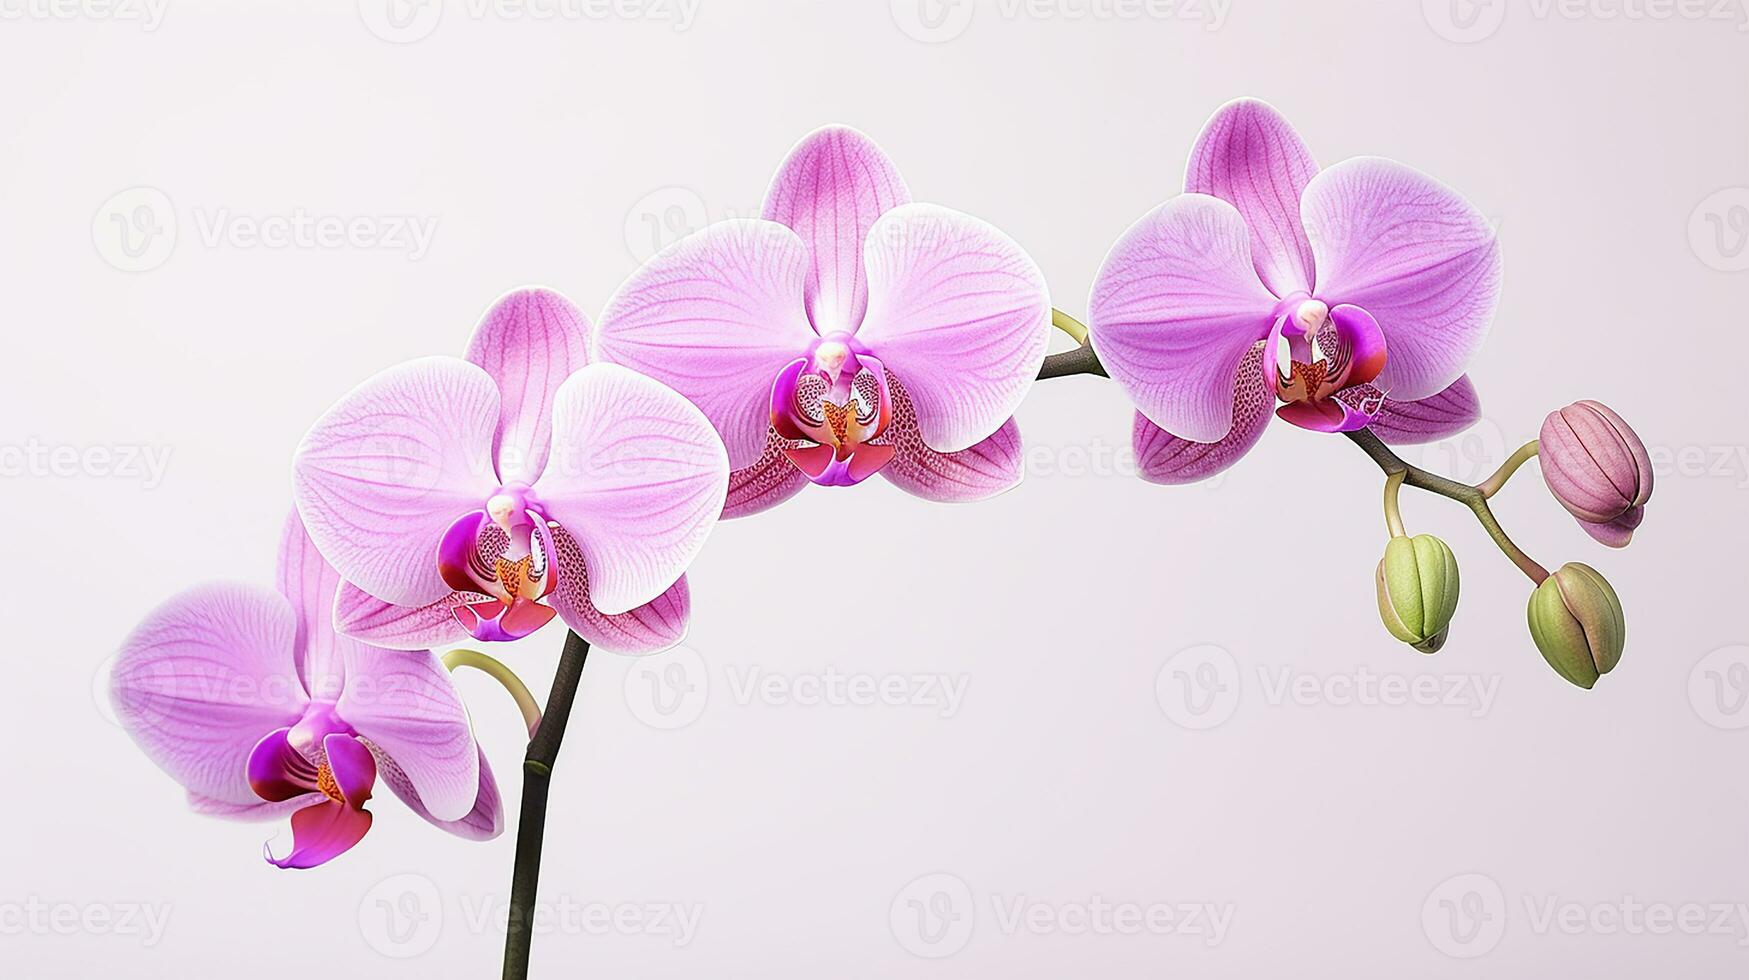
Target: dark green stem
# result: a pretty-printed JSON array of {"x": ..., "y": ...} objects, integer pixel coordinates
[
  {"x": 537, "y": 772},
  {"x": 1081, "y": 360}
]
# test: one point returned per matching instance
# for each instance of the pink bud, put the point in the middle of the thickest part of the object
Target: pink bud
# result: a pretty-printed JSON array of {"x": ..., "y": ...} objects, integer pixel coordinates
[{"x": 1598, "y": 469}]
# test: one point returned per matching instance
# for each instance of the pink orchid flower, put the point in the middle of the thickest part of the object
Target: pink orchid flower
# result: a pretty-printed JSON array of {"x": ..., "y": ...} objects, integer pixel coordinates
[
  {"x": 249, "y": 699},
  {"x": 483, "y": 497},
  {"x": 1355, "y": 296},
  {"x": 847, "y": 332}
]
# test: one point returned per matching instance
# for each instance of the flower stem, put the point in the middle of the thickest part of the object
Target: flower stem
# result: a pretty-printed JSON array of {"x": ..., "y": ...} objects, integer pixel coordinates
[
  {"x": 1494, "y": 484},
  {"x": 1076, "y": 330},
  {"x": 1469, "y": 496},
  {"x": 492, "y": 668},
  {"x": 537, "y": 771},
  {"x": 1081, "y": 360},
  {"x": 1393, "y": 512}
]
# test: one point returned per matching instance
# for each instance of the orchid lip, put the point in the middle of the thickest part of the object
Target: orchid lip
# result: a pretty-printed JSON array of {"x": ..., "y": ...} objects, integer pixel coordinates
[
  {"x": 1321, "y": 360},
  {"x": 833, "y": 404},
  {"x": 504, "y": 551}
]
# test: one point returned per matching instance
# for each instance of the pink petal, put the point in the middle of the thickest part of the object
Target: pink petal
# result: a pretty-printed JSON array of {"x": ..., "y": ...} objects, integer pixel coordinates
[
  {"x": 1175, "y": 308},
  {"x": 484, "y": 822},
  {"x": 529, "y": 342},
  {"x": 769, "y": 481},
  {"x": 637, "y": 476},
  {"x": 259, "y": 811},
  {"x": 322, "y": 833},
  {"x": 654, "y": 626},
  {"x": 1164, "y": 458},
  {"x": 353, "y": 766},
  {"x": 959, "y": 311},
  {"x": 381, "y": 476},
  {"x": 830, "y": 190},
  {"x": 364, "y": 617},
  {"x": 309, "y": 583},
  {"x": 1251, "y": 158},
  {"x": 986, "y": 469},
  {"x": 205, "y": 677},
  {"x": 1430, "y": 419},
  {"x": 715, "y": 317},
  {"x": 404, "y": 703},
  {"x": 1419, "y": 258}
]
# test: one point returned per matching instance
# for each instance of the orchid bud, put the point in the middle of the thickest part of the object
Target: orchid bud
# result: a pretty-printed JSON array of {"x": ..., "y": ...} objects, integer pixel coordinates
[
  {"x": 1598, "y": 469},
  {"x": 1577, "y": 623},
  {"x": 1418, "y": 590}
]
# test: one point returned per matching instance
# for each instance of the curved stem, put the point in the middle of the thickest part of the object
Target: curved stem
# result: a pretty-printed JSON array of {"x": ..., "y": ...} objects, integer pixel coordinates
[
  {"x": 492, "y": 668},
  {"x": 537, "y": 771},
  {"x": 1393, "y": 512},
  {"x": 1076, "y": 330},
  {"x": 1494, "y": 484},
  {"x": 1469, "y": 496}
]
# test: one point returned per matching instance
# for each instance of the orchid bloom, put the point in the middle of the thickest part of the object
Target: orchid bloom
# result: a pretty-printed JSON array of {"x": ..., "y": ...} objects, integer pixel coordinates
[
  {"x": 1355, "y": 296},
  {"x": 483, "y": 497},
  {"x": 250, "y": 700},
  {"x": 846, "y": 332}
]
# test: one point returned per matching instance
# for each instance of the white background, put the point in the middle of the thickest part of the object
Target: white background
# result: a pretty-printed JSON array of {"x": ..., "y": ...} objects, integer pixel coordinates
[{"x": 1337, "y": 835}]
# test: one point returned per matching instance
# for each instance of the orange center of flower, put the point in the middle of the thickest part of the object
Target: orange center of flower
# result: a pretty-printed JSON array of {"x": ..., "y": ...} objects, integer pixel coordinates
[{"x": 327, "y": 784}]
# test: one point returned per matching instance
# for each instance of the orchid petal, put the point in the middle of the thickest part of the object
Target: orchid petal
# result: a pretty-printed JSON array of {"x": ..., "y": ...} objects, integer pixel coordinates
[
  {"x": 484, "y": 822},
  {"x": 1175, "y": 308},
  {"x": 960, "y": 311},
  {"x": 381, "y": 476},
  {"x": 769, "y": 481},
  {"x": 529, "y": 342},
  {"x": 309, "y": 583},
  {"x": 638, "y": 477},
  {"x": 354, "y": 768},
  {"x": 654, "y": 626},
  {"x": 1166, "y": 459},
  {"x": 1430, "y": 419},
  {"x": 404, "y": 703},
  {"x": 204, "y": 678},
  {"x": 1418, "y": 257},
  {"x": 259, "y": 811},
  {"x": 364, "y": 617},
  {"x": 277, "y": 771},
  {"x": 830, "y": 190},
  {"x": 715, "y": 317},
  {"x": 1250, "y": 157},
  {"x": 322, "y": 833},
  {"x": 991, "y": 467}
]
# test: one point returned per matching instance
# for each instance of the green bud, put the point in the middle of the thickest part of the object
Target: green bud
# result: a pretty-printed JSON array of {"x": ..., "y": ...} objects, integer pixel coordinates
[
  {"x": 1418, "y": 590},
  {"x": 1577, "y": 623}
]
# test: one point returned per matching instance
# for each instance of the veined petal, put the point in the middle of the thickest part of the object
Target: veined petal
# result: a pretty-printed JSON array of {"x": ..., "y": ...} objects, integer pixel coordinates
[
  {"x": 380, "y": 477},
  {"x": 203, "y": 679},
  {"x": 1430, "y": 419},
  {"x": 363, "y": 617},
  {"x": 654, "y": 626},
  {"x": 309, "y": 583},
  {"x": 769, "y": 481},
  {"x": 1250, "y": 157},
  {"x": 1164, "y": 458},
  {"x": 715, "y": 317},
  {"x": 403, "y": 703},
  {"x": 830, "y": 189},
  {"x": 1414, "y": 254},
  {"x": 637, "y": 476},
  {"x": 1175, "y": 308},
  {"x": 529, "y": 342},
  {"x": 484, "y": 822},
  {"x": 259, "y": 811},
  {"x": 989, "y": 468},
  {"x": 959, "y": 311}
]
